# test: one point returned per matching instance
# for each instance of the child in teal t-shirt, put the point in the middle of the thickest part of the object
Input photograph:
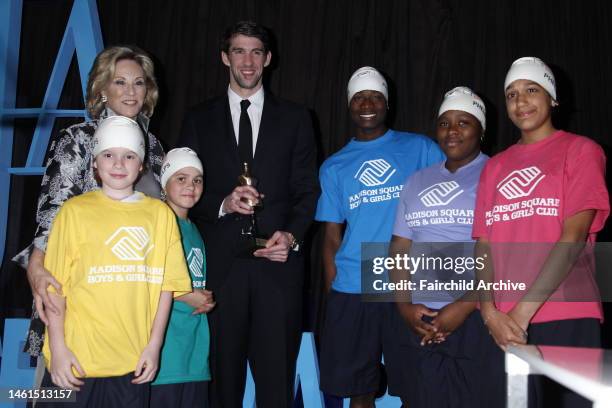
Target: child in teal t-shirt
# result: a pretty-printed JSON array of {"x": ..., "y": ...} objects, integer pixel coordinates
[{"x": 184, "y": 373}]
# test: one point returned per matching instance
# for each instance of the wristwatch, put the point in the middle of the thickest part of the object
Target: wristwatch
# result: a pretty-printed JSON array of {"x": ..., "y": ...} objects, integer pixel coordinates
[{"x": 294, "y": 245}]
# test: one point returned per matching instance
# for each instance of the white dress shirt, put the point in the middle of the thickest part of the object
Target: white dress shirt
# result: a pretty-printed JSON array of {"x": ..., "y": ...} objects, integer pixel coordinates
[{"x": 254, "y": 110}]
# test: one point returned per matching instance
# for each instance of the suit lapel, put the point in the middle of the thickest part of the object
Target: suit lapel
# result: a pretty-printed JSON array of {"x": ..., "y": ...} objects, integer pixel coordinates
[
  {"x": 227, "y": 133},
  {"x": 266, "y": 130}
]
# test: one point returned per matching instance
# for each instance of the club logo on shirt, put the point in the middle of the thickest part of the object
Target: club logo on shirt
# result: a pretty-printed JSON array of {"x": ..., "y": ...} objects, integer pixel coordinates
[
  {"x": 520, "y": 183},
  {"x": 440, "y": 193},
  {"x": 374, "y": 172},
  {"x": 130, "y": 243},
  {"x": 195, "y": 260}
]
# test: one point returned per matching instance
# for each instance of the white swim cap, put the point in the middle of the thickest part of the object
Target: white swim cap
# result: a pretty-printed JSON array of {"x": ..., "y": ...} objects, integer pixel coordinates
[
  {"x": 367, "y": 78},
  {"x": 177, "y": 159},
  {"x": 533, "y": 69},
  {"x": 119, "y": 131},
  {"x": 464, "y": 99}
]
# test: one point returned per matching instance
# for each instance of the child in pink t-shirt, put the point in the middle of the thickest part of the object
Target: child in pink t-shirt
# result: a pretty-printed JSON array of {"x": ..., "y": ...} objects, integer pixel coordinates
[{"x": 537, "y": 203}]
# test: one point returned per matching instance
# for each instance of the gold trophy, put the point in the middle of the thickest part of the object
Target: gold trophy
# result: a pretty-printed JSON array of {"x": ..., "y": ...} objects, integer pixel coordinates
[{"x": 253, "y": 239}]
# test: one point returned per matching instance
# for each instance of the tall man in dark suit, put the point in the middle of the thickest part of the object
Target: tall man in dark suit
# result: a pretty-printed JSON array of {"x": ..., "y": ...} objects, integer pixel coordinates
[{"x": 258, "y": 313}]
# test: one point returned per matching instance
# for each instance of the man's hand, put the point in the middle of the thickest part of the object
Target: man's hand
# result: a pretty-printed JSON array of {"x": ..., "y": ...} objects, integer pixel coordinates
[
  {"x": 238, "y": 200},
  {"x": 277, "y": 247},
  {"x": 40, "y": 279}
]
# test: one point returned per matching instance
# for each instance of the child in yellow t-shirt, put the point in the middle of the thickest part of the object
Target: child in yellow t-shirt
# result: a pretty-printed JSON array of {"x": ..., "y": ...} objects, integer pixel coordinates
[{"x": 118, "y": 256}]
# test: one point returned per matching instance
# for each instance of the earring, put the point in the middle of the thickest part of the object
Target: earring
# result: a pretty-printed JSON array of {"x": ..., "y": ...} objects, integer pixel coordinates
[
  {"x": 104, "y": 99},
  {"x": 482, "y": 138},
  {"x": 554, "y": 103}
]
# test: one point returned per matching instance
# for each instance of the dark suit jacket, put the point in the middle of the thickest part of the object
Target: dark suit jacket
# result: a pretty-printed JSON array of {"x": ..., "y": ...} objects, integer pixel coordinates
[{"x": 284, "y": 164}]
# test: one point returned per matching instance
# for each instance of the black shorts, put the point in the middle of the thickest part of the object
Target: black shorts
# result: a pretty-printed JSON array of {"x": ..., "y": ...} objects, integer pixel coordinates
[
  {"x": 104, "y": 392},
  {"x": 435, "y": 375},
  {"x": 576, "y": 333},
  {"x": 351, "y": 345},
  {"x": 180, "y": 395}
]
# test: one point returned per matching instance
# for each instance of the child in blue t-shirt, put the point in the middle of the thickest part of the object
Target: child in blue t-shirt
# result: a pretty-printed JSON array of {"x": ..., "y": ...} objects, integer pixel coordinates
[
  {"x": 360, "y": 188},
  {"x": 437, "y": 335},
  {"x": 184, "y": 372}
]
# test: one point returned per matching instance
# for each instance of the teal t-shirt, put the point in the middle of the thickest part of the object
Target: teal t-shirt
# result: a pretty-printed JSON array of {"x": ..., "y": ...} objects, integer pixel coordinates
[{"x": 184, "y": 356}]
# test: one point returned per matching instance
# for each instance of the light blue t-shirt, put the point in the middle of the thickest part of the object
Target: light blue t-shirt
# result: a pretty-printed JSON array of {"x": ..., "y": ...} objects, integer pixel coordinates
[
  {"x": 361, "y": 185},
  {"x": 438, "y": 206}
]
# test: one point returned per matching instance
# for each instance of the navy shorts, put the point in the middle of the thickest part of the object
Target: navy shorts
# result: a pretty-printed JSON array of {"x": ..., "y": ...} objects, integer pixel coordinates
[
  {"x": 543, "y": 392},
  {"x": 435, "y": 375},
  {"x": 180, "y": 395},
  {"x": 351, "y": 345},
  {"x": 104, "y": 392}
]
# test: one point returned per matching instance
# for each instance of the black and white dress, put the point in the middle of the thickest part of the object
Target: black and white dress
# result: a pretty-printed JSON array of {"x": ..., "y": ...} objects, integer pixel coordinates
[{"x": 69, "y": 173}]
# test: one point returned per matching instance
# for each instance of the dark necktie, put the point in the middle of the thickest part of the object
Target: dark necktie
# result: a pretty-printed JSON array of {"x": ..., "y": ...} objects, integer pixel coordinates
[{"x": 245, "y": 134}]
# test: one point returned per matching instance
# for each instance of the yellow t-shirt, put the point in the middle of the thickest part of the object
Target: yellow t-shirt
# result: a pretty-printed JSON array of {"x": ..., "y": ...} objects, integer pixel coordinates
[{"x": 113, "y": 259}]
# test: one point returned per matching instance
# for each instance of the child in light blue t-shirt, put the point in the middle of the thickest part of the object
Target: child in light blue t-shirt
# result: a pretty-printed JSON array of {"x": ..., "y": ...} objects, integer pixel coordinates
[{"x": 184, "y": 371}]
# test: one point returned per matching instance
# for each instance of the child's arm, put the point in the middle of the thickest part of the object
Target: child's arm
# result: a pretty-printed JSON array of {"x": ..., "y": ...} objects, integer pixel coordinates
[
  {"x": 149, "y": 359},
  {"x": 502, "y": 327},
  {"x": 62, "y": 359},
  {"x": 558, "y": 265},
  {"x": 201, "y": 300}
]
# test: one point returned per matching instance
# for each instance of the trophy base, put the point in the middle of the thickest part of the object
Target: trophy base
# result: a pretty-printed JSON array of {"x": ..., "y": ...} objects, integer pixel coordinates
[{"x": 250, "y": 244}]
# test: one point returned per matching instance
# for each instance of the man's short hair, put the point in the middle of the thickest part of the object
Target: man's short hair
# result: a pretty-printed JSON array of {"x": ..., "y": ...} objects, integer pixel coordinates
[{"x": 246, "y": 28}]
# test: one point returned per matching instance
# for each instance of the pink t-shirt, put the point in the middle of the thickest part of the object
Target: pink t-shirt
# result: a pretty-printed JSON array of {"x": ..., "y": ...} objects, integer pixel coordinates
[{"x": 525, "y": 194}]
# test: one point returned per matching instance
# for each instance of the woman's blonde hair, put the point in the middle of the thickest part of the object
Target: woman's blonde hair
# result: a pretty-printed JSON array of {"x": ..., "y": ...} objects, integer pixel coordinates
[{"x": 103, "y": 71}]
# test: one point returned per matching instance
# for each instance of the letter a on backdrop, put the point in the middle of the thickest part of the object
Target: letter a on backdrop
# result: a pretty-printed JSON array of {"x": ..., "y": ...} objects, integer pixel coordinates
[{"x": 83, "y": 36}]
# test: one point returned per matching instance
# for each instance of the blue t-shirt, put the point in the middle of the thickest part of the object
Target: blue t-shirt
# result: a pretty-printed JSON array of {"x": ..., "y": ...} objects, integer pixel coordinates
[
  {"x": 438, "y": 206},
  {"x": 361, "y": 184}
]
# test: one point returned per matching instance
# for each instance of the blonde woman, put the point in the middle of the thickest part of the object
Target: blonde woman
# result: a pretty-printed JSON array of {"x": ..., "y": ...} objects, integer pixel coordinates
[{"x": 121, "y": 82}]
